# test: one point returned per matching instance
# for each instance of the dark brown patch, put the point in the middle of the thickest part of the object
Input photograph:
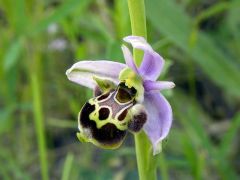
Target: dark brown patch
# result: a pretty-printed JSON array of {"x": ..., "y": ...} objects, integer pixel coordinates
[
  {"x": 104, "y": 96},
  {"x": 84, "y": 115},
  {"x": 137, "y": 122},
  {"x": 104, "y": 113},
  {"x": 123, "y": 115},
  {"x": 125, "y": 94},
  {"x": 108, "y": 134},
  {"x": 133, "y": 91}
]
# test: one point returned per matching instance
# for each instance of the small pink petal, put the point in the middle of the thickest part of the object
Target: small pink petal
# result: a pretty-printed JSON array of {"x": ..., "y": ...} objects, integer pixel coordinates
[
  {"x": 157, "y": 85},
  {"x": 129, "y": 58}
]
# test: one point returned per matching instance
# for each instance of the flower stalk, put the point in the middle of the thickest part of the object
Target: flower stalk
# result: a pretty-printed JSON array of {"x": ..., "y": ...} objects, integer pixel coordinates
[
  {"x": 138, "y": 24},
  {"x": 145, "y": 160}
]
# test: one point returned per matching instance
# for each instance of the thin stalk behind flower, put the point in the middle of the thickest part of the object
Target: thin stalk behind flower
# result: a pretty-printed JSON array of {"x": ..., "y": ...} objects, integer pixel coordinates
[
  {"x": 138, "y": 24},
  {"x": 145, "y": 160}
]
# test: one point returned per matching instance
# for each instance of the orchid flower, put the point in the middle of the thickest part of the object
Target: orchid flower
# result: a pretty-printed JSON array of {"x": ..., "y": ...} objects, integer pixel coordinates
[{"x": 147, "y": 106}]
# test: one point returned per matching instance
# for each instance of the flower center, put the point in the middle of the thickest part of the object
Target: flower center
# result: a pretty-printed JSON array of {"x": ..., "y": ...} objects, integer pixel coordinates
[{"x": 132, "y": 80}]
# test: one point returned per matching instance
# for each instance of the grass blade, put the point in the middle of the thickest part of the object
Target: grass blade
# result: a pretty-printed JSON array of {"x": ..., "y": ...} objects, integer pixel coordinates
[
  {"x": 205, "y": 52},
  {"x": 229, "y": 136},
  {"x": 67, "y": 166},
  {"x": 12, "y": 54},
  {"x": 38, "y": 117},
  {"x": 65, "y": 9}
]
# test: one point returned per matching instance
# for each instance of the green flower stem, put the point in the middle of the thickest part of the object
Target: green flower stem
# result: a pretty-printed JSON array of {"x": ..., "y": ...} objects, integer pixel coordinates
[
  {"x": 145, "y": 160},
  {"x": 138, "y": 24}
]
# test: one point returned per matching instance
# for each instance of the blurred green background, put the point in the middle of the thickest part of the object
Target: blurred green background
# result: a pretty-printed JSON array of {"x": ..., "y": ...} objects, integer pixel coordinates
[{"x": 41, "y": 39}]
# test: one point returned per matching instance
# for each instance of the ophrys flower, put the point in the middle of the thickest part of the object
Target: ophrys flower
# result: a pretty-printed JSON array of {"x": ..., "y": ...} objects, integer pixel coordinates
[{"x": 127, "y": 97}]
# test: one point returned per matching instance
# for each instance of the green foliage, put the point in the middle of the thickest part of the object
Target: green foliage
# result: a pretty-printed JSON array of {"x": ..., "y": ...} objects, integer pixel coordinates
[
  {"x": 202, "y": 49},
  {"x": 39, "y": 106}
]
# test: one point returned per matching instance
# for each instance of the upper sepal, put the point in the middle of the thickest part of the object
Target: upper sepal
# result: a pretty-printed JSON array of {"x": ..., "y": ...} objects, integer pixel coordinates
[
  {"x": 152, "y": 62},
  {"x": 82, "y": 72}
]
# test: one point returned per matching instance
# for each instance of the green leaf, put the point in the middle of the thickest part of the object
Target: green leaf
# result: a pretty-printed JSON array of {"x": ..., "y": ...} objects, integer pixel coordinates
[
  {"x": 12, "y": 55},
  {"x": 191, "y": 116},
  {"x": 5, "y": 121},
  {"x": 228, "y": 138},
  {"x": 16, "y": 14},
  {"x": 61, "y": 12},
  {"x": 67, "y": 166},
  {"x": 205, "y": 52},
  {"x": 121, "y": 18}
]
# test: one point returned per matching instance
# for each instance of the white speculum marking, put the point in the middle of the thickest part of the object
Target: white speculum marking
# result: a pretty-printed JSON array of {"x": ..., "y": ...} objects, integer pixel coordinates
[{"x": 115, "y": 109}]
